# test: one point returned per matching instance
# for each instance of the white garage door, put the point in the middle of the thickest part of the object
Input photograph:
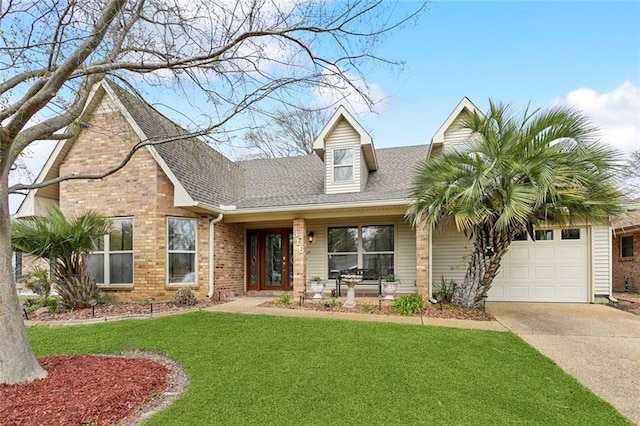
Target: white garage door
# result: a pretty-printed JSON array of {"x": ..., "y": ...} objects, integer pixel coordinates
[{"x": 555, "y": 268}]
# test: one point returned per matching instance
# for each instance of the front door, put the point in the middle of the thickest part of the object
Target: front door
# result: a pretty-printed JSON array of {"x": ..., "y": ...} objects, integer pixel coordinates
[{"x": 269, "y": 259}]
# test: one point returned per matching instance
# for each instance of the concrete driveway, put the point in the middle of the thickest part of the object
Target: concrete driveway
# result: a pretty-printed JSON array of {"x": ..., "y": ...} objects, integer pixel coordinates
[{"x": 596, "y": 344}]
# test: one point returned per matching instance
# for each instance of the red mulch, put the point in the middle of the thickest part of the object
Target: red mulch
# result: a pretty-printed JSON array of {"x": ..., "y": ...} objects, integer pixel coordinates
[
  {"x": 81, "y": 389},
  {"x": 117, "y": 309}
]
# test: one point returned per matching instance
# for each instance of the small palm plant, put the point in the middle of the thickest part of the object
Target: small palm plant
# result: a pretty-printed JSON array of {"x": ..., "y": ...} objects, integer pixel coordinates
[{"x": 65, "y": 244}]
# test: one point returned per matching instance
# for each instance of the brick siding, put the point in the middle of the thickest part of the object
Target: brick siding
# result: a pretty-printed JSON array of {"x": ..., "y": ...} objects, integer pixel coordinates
[
  {"x": 141, "y": 190},
  {"x": 626, "y": 267}
]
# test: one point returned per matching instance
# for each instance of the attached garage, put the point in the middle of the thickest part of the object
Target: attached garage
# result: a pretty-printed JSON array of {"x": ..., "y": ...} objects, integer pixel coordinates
[{"x": 560, "y": 266}]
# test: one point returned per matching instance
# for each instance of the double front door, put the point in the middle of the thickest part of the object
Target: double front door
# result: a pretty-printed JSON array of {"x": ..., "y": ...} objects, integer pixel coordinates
[{"x": 270, "y": 259}]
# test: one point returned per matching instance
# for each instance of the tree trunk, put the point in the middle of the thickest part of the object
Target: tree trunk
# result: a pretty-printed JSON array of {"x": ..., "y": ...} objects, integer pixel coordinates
[
  {"x": 17, "y": 362},
  {"x": 488, "y": 248}
]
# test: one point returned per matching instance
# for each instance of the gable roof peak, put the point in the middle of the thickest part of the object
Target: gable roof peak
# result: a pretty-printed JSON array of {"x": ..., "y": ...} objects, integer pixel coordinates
[
  {"x": 464, "y": 106},
  {"x": 366, "y": 141}
]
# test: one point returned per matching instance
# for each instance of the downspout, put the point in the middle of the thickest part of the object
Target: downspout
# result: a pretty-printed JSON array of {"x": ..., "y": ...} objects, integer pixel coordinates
[{"x": 212, "y": 223}]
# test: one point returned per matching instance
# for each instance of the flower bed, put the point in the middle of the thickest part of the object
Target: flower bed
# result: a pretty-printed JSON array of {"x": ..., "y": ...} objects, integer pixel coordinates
[{"x": 374, "y": 308}]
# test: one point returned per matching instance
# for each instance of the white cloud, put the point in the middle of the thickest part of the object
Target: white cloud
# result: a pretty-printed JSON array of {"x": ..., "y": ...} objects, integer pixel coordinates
[{"x": 616, "y": 113}]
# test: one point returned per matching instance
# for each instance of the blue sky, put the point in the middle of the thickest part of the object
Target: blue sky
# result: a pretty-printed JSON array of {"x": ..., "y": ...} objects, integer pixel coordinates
[
  {"x": 583, "y": 54},
  {"x": 517, "y": 52}
]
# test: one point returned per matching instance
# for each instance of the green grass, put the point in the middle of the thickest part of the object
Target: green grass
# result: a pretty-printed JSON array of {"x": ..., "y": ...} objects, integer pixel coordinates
[{"x": 283, "y": 371}]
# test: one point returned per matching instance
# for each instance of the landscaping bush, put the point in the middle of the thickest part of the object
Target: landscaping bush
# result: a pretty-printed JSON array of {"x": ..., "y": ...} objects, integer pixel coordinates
[
  {"x": 408, "y": 305},
  {"x": 185, "y": 297},
  {"x": 446, "y": 290}
]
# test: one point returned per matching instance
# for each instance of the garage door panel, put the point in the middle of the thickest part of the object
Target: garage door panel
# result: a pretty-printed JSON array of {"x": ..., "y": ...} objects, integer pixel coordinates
[
  {"x": 496, "y": 291},
  {"x": 545, "y": 292},
  {"x": 518, "y": 292},
  {"x": 544, "y": 273},
  {"x": 518, "y": 272},
  {"x": 544, "y": 253},
  {"x": 572, "y": 253},
  {"x": 569, "y": 273},
  {"x": 518, "y": 253}
]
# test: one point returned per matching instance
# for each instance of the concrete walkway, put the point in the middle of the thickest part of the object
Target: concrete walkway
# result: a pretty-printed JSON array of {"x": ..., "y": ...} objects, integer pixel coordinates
[
  {"x": 596, "y": 344},
  {"x": 250, "y": 305}
]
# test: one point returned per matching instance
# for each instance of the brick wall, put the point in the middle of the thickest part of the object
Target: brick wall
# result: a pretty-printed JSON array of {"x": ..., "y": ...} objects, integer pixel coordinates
[
  {"x": 422, "y": 261},
  {"x": 141, "y": 190},
  {"x": 629, "y": 267},
  {"x": 229, "y": 258}
]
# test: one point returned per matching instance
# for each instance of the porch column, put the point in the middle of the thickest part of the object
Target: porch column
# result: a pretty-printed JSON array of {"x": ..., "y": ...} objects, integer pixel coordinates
[
  {"x": 422, "y": 261},
  {"x": 299, "y": 256}
]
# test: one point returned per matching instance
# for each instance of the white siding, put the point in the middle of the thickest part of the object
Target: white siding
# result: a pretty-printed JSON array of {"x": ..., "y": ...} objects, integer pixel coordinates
[
  {"x": 455, "y": 134},
  {"x": 405, "y": 248},
  {"x": 601, "y": 259},
  {"x": 343, "y": 136},
  {"x": 450, "y": 251}
]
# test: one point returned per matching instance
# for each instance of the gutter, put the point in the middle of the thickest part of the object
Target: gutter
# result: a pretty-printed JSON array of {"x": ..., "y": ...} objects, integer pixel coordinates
[
  {"x": 231, "y": 210},
  {"x": 212, "y": 223}
]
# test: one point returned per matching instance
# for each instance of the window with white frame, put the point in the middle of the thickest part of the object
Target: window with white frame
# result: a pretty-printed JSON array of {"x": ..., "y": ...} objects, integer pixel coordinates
[
  {"x": 343, "y": 165},
  {"x": 111, "y": 263},
  {"x": 361, "y": 247},
  {"x": 181, "y": 250}
]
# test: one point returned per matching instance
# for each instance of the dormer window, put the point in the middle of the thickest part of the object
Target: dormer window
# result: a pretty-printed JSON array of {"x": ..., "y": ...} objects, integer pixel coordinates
[{"x": 343, "y": 165}]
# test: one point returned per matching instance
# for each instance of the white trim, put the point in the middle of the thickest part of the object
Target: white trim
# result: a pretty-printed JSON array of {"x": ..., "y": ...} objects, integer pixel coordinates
[
  {"x": 195, "y": 253},
  {"x": 351, "y": 165},
  {"x": 464, "y": 105},
  {"x": 106, "y": 253},
  {"x": 232, "y": 210}
]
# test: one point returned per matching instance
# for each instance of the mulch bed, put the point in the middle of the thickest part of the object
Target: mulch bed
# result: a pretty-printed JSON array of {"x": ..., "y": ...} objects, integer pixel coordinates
[
  {"x": 119, "y": 309},
  {"x": 83, "y": 389},
  {"x": 373, "y": 308}
]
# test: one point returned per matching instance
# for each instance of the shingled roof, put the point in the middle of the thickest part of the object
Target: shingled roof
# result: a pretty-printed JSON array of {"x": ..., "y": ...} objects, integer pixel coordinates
[
  {"x": 210, "y": 177},
  {"x": 206, "y": 174},
  {"x": 300, "y": 180}
]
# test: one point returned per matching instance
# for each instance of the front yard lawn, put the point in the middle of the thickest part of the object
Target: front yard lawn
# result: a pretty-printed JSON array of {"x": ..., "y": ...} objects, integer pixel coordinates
[{"x": 274, "y": 370}]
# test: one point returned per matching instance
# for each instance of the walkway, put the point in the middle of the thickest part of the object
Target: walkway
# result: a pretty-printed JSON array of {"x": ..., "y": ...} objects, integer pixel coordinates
[{"x": 596, "y": 344}]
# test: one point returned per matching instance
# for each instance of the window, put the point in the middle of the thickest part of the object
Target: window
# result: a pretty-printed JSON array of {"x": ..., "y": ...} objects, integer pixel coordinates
[
  {"x": 181, "y": 248},
  {"x": 343, "y": 165},
  {"x": 111, "y": 263},
  {"x": 377, "y": 248},
  {"x": 570, "y": 234},
  {"x": 343, "y": 249},
  {"x": 626, "y": 246},
  {"x": 16, "y": 262},
  {"x": 544, "y": 235},
  {"x": 365, "y": 247}
]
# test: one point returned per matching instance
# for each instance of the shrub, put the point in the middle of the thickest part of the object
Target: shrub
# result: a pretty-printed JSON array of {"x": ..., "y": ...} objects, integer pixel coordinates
[
  {"x": 330, "y": 303},
  {"x": 284, "y": 299},
  {"x": 37, "y": 280},
  {"x": 408, "y": 305},
  {"x": 446, "y": 290},
  {"x": 185, "y": 297}
]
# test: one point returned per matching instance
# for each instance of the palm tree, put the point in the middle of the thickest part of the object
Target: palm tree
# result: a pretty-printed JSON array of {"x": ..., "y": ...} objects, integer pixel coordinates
[
  {"x": 65, "y": 243},
  {"x": 515, "y": 171}
]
